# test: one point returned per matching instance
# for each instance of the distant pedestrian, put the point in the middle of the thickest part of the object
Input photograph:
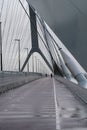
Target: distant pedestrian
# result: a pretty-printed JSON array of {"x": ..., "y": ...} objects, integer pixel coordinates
[
  {"x": 51, "y": 75},
  {"x": 46, "y": 75}
]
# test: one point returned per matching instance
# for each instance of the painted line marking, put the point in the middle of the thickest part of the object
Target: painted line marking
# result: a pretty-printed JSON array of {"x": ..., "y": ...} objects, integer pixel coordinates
[{"x": 56, "y": 108}]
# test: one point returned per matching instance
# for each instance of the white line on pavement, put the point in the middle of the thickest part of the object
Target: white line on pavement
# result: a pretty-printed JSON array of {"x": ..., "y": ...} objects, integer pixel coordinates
[{"x": 57, "y": 109}]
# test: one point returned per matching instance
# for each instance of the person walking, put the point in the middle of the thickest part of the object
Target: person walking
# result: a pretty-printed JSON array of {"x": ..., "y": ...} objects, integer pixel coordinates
[{"x": 51, "y": 75}]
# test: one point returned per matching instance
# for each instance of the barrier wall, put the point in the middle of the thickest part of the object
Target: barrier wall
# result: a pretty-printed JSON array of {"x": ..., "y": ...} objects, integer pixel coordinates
[
  {"x": 11, "y": 80},
  {"x": 77, "y": 90}
]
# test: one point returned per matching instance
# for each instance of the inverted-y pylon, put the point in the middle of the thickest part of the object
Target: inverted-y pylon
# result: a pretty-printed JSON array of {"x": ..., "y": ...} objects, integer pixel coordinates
[{"x": 34, "y": 40}]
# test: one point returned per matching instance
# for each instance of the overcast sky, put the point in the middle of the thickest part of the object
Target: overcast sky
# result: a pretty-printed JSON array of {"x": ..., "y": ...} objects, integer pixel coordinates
[{"x": 68, "y": 19}]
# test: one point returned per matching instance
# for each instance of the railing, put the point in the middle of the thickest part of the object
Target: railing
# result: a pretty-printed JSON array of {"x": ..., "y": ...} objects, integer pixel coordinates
[
  {"x": 10, "y": 80},
  {"x": 76, "y": 89}
]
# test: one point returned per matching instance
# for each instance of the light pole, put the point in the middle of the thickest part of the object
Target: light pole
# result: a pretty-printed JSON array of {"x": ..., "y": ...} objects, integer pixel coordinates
[
  {"x": 38, "y": 66},
  {"x": 18, "y": 41},
  {"x": 32, "y": 62},
  {"x": 42, "y": 68},
  {"x": 36, "y": 63},
  {"x": 28, "y": 61},
  {"x": 1, "y": 47}
]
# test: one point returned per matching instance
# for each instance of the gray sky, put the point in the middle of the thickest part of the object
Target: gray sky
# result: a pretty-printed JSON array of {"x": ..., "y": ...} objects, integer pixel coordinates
[
  {"x": 60, "y": 15},
  {"x": 68, "y": 19}
]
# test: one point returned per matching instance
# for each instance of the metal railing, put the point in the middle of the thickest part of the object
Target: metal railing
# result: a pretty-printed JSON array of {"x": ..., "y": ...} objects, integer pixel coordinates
[
  {"x": 74, "y": 88},
  {"x": 10, "y": 80}
]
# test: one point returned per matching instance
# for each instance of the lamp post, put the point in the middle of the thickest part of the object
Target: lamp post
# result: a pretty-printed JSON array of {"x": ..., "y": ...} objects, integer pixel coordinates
[
  {"x": 28, "y": 61},
  {"x": 32, "y": 62},
  {"x": 1, "y": 47},
  {"x": 41, "y": 67},
  {"x": 18, "y": 41},
  {"x": 38, "y": 66},
  {"x": 36, "y": 63}
]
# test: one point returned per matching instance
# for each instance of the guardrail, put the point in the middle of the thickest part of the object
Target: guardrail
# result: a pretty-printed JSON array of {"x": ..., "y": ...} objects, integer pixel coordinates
[
  {"x": 11, "y": 80},
  {"x": 76, "y": 89}
]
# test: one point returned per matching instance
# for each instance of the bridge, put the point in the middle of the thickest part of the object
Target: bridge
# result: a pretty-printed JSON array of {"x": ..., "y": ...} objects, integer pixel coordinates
[{"x": 42, "y": 85}]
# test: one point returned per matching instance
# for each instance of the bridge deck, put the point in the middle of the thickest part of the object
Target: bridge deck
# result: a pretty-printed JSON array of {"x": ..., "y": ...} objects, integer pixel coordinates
[{"x": 33, "y": 107}]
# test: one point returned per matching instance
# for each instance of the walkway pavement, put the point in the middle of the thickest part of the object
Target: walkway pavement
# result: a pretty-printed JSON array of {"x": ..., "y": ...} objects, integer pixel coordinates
[
  {"x": 30, "y": 107},
  {"x": 73, "y": 112},
  {"x": 43, "y": 104}
]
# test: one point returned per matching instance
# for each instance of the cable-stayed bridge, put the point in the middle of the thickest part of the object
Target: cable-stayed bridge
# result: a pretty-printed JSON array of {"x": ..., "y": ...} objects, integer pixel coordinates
[{"x": 29, "y": 53}]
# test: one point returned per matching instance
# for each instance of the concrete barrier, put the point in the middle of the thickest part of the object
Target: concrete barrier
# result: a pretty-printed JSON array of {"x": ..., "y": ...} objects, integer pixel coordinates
[
  {"x": 9, "y": 80},
  {"x": 76, "y": 89}
]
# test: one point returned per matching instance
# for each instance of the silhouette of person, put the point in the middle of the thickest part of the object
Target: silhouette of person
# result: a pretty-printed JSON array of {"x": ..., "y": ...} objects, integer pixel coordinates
[
  {"x": 46, "y": 75},
  {"x": 51, "y": 75}
]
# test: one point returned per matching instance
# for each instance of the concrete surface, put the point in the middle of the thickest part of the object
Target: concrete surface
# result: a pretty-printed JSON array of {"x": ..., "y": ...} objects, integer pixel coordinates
[
  {"x": 10, "y": 81},
  {"x": 73, "y": 112},
  {"x": 77, "y": 90},
  {"x": 32, "y": 107}
]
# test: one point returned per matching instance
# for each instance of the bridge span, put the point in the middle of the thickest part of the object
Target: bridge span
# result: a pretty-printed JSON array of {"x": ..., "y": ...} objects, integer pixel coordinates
[
  {"x": 44, "y": 104},
  {"x": 29, "y": 53}
]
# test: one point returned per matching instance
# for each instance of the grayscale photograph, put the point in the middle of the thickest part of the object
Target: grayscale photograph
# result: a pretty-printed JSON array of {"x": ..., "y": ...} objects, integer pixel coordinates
[{"x": 43, "y": 64}]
